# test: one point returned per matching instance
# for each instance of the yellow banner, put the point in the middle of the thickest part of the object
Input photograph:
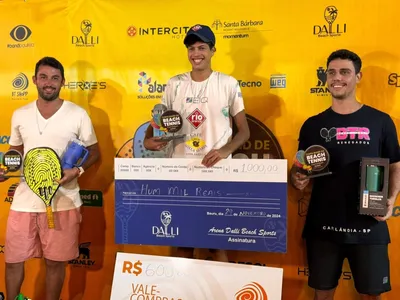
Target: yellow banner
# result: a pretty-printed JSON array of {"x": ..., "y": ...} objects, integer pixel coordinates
[{"x": 118, "y": 56}]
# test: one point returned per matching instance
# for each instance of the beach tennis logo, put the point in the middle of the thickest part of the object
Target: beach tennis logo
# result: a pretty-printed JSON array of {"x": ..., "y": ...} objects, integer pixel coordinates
[
  {"x": 320, "y": 89},
  {"x": 253, "y": 291},
  {"x": 85, "y": 40},
  {"x": 331, "y": 29},
  {"x": 20, "y": 34},
  {"x": 84, "y": 256},
  {"x": 20, "y": 86}
]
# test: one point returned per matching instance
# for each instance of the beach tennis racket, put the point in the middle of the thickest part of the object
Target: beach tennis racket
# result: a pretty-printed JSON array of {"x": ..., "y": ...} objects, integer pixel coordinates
[{"x": 42, "y": 171}]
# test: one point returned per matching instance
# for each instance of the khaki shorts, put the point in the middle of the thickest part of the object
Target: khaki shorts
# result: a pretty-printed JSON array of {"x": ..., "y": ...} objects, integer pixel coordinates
[{"x": 28, "y": 236}]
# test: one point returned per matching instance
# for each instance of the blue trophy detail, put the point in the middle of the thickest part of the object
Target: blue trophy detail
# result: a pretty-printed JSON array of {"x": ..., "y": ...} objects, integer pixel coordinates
[{"x": 75, "y": 155}]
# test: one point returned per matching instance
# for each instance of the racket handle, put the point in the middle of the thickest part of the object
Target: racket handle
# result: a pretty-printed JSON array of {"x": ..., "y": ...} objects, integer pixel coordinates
[{"x": 50, "y": 218}]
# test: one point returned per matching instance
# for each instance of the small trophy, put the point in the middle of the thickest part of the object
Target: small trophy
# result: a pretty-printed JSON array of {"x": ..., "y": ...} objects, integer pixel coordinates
[
  {"x": 313, "y": 161},
  {"x": 166, "y": 123},
  {"x": 374, "y": 186},
  {"x": 75, "y": 155}
]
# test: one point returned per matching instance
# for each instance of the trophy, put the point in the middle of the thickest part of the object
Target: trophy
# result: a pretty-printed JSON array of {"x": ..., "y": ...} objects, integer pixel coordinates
[
  {"x": 374, "y": 186},
  {"x": 75, "y": 155},
  {"x": 313, "y": 161},
  {"x": 166, "y": 123}
]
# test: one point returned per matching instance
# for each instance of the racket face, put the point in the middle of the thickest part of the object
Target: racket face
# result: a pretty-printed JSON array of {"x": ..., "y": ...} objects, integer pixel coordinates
[{"x": 42, "y": 169}]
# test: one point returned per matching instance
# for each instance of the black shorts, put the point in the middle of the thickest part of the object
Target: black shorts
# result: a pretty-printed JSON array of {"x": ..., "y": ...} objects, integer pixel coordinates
[{"x": 369, "y": 265}]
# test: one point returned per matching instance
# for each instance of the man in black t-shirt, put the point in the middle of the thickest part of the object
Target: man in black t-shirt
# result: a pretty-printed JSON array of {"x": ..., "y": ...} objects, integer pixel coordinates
[{"x": 334, "y": 230}]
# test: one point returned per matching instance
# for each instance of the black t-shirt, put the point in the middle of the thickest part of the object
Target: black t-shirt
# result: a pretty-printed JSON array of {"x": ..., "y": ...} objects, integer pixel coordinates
[{"x": 333, "y": 208}]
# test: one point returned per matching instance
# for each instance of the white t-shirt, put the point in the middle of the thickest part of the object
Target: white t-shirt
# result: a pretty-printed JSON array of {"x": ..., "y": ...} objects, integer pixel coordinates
[
  {"x": 69, "y": 122},
  {"x": 206, "y": 108}
]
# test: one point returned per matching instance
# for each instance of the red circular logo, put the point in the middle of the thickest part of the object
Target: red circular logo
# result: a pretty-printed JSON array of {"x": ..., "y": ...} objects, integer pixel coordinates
[{"x": 131, "y": 31}]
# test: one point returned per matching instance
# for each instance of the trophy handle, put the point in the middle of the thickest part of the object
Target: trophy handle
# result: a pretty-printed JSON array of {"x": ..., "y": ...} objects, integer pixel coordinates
[{"x": 84, "y": 157}]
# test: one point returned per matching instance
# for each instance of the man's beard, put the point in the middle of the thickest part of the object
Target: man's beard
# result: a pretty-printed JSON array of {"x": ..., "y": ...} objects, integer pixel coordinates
[{"x": 48, "y": 97}]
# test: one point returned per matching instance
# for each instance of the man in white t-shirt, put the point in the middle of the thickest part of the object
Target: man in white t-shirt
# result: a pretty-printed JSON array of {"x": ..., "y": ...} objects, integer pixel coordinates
[
  {"x": 47, "y": 122},
  {"x": 206, "y": 100}
]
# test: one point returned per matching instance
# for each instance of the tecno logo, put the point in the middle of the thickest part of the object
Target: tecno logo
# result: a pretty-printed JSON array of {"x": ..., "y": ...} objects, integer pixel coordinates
[{"x": 254, "y": 84}]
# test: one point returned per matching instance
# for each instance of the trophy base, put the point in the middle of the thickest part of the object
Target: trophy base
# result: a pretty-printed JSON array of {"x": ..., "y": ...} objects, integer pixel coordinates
[
  {"x": 319, "y": 174},
  {"x": 167, "y": 138}
]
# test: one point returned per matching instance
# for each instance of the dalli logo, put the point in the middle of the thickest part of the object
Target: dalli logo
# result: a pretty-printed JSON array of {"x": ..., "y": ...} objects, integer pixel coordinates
[
  {"x": 84, "y": 256},
  {"x": 346, "y": 135},
  {"x": 330, "y": 29},
  {"x": 85, "y": 40},
  {"x": 164, "y": 231}
]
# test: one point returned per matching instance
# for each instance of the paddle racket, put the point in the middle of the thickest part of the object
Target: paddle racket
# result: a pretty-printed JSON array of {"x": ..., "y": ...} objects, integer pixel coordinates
[{"x": 42, "y": 171}]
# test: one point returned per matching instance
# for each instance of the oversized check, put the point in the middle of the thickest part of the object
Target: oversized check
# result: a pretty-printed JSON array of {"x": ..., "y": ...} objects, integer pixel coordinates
[
  {"x": 239, "y": 204},
  {"x": 147, "y": 277}
]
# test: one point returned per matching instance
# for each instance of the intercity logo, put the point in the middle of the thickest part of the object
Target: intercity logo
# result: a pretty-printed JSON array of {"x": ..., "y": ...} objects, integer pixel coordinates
[
  {"x": 85, "y": 85},
  {"x": 131, "y": 31},
  {"x": 277, "y": 81},
  {"x": 20, "y": 34},
  {"x": 85, "y": 40},
  {"x": 320, "y": 89},
  {"x": 2, "y": 249},
  {"x": 10, "y": 193},
  {"x": 84, "y": 257},
  {"x": 240, "y": 27},
  {"x": 328, "y": 30},
  {"x": 20, "y": 86},
  {"x": 393, "y": 79},
  {"x": 4, "y": 140},
  {"x": 176, "y": 32},
  {"x": 153, "y": 90}
]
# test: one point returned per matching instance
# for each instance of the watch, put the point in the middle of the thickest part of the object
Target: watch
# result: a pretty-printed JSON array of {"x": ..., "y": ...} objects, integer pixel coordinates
[{"x": 81, "y": 171}]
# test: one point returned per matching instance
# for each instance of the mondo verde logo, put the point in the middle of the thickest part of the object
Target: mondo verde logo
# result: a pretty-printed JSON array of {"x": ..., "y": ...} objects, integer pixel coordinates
[
  {"x": 20, "y": 34},
  {"x": 20, "y": 86}
]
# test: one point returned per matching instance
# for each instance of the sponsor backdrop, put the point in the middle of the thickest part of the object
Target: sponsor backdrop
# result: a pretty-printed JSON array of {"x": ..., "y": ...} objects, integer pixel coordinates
[{"x": 118, "y": 56}]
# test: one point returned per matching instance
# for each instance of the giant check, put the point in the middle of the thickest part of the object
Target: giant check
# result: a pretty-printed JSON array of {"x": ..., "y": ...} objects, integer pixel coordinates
[
  {"x": 148, "y": 277},
  {"x": 239, "y": 204}
]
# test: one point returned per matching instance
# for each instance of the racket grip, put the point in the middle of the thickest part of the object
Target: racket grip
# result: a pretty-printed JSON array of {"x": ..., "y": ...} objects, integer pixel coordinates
[{"x": 50, "y": 218}]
